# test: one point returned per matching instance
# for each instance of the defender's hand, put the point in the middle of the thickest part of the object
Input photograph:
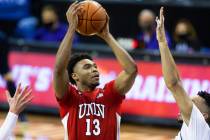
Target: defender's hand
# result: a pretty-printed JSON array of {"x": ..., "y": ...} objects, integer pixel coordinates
[
  {"x": 20, "y": 99},
  {"x": 160, "y": 29}
]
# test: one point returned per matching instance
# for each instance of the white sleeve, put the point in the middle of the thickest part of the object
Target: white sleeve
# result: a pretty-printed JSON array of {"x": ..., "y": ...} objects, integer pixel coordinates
[
  {"x": 178, "y": 137},
  {"x": 198, "y": 127},
  {"x": 8, "y": 126}
]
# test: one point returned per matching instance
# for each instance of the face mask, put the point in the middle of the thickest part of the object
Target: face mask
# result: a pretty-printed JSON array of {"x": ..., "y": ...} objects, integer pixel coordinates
[
  {"x": 183, "y": 37},
  {"x": 49, "y": 25},
  {"x": 147, "y": 27}
]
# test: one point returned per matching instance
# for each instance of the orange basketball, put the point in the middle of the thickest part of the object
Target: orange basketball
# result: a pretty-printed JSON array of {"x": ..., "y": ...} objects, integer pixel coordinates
[{"x": 92, "y": 18}]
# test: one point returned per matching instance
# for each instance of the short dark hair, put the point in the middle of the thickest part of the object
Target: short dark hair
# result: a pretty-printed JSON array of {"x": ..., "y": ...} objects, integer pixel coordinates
[
  {"x": 75, "y": 58},
  {"x": 49, "y": 8},
  {"x": 206, "y": 96}
]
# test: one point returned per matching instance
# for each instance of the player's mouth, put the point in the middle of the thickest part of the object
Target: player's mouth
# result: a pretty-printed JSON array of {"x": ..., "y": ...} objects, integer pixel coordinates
[{"x": 96, "y": 76}]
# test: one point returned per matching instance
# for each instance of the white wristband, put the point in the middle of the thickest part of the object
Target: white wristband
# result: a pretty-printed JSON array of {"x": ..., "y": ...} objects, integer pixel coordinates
[{"x": 8, "y": 126}]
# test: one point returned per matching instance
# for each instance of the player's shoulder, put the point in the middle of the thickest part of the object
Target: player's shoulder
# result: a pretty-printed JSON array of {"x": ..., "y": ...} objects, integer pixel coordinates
[
  {"x": 72, "y": 88},
  {"x": 108, "y": 86}
]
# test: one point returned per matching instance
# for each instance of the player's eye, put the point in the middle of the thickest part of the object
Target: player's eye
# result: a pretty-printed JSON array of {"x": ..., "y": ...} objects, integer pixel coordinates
[
  {"x": 95, "y": 66},
  {"x": 87, "y": 66}
]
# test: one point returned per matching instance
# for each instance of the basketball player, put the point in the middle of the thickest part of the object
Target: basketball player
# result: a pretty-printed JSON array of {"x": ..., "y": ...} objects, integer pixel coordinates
[
  {"x": 195, "y": 112},
  {"x": 16, "y": 104},
  {"x": 90, "y": 113}
]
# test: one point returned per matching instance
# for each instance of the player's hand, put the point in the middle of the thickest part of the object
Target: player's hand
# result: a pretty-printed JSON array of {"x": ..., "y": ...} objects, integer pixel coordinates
[
  {"x": 160, "y": 29},
  {"x": 20, "y": 99},
  {"x": 72, "y": 14},
  {"x": 104, "y": 34}
]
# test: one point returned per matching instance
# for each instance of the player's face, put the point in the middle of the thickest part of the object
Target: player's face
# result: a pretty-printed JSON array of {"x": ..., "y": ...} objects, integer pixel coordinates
[
  {"x": 87, "y": 73},
  {"x": 181, "y": 28},
  {"x": 48, "y": 16},
  {"x": 146, "y": 21},
  {"x": 200, "y": 104}
]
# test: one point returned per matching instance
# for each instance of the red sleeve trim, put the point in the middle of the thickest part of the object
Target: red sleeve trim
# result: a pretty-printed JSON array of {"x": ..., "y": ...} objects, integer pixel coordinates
[
  {"x": 114, "y": 91},
  {"x": 65, "y": 95}
]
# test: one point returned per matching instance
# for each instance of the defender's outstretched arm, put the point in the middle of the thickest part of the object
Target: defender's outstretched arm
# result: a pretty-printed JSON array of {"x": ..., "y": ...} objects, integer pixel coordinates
[{"x": 170, "y": 72}]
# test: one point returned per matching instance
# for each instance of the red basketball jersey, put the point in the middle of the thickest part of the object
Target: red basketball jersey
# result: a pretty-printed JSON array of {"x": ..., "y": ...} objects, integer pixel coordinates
[{"x": 91, "y": 116}]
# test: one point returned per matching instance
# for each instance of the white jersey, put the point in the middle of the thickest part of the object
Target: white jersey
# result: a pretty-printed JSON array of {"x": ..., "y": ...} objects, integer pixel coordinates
[
  {"x": 198, "y": 129},
  {"x": 8, "y": 126}
]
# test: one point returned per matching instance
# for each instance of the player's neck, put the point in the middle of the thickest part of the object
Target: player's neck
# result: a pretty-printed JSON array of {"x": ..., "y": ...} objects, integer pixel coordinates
[{"x": 84, "y": 88}]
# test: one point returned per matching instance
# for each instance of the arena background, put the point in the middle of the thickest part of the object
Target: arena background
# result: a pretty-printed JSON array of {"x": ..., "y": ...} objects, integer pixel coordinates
[{"x": 149, "y": 111}]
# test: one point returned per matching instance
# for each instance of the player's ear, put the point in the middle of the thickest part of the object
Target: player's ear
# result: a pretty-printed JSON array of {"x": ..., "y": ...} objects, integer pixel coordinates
[
  {"x": 206, "y": 116},
  {"x": 75, "y": 76}
]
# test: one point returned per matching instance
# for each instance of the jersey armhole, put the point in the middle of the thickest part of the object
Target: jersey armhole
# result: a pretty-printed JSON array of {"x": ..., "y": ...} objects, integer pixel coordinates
[
  {"x": 113, "y": 93},
  {"x": 66, "y": 94},
  {"x": 115, "y": 90}
]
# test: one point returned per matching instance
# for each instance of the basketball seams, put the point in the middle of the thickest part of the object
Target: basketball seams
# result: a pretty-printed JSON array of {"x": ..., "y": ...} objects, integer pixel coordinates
[
  {"x": 95, "y": 12},
  {"x": 91, "y": 17},
  {"x": 92, "y": 25},
  {"x": 86, "y": 20}
]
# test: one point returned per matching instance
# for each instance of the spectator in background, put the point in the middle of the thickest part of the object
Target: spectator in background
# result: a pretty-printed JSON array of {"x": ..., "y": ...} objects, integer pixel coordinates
[
  {"x": 185, "y": 37},
  {"x": 52, "y": 30},
  {"x": 147, "y": 37}
]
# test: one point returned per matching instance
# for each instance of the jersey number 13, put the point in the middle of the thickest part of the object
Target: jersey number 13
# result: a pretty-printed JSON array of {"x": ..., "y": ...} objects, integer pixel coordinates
[{"x": 96, "y": 130}]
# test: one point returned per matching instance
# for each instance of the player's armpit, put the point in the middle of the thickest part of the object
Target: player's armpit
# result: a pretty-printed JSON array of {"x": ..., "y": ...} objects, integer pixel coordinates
[
  {"x": 124, "y": 82},
  {"x": 60, "y": 81},
  {"x": 183, "y": 101}
]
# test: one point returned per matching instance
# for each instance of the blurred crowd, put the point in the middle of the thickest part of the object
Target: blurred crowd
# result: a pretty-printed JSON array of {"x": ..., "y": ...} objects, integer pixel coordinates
[
  {"x": 17, "y": 21},
  {"x": 184, "y": 38}
]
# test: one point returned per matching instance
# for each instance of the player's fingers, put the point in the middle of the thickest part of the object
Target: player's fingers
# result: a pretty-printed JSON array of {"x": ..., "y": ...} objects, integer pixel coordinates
[
  {"x": 158, "y": 22},
  {"x": 163, "y": 18},
  {"x": 75, "y": 8},
  {"x": 73, "y": 4},
  {"x": 18, "y": 90},
  {"x": 156, "y": 19},
  {"x": 8, "y": 95},
  {"x": 162, "y": 9},
  {"x": 24, "y": 90},
  {"x": 78, "y": 5},
  {"x": 74, "y": 13},
  {"x": 108, "y": 18},
  {"x": 79, "y": 10},
  {"x": 27, "y": 95},
  {"x": 27, "y": 101},
  {"x": 161, "y": 14},
  {"x": 22, "y": 94}
]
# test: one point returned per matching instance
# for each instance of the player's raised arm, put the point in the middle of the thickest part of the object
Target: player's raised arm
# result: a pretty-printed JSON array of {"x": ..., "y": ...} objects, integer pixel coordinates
[
  {"x": 16, "y": 104},
  {"x": 127, "y": 77},
  {"x": 170, "y": 72},
  {"x": 60, "y": 77}
]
